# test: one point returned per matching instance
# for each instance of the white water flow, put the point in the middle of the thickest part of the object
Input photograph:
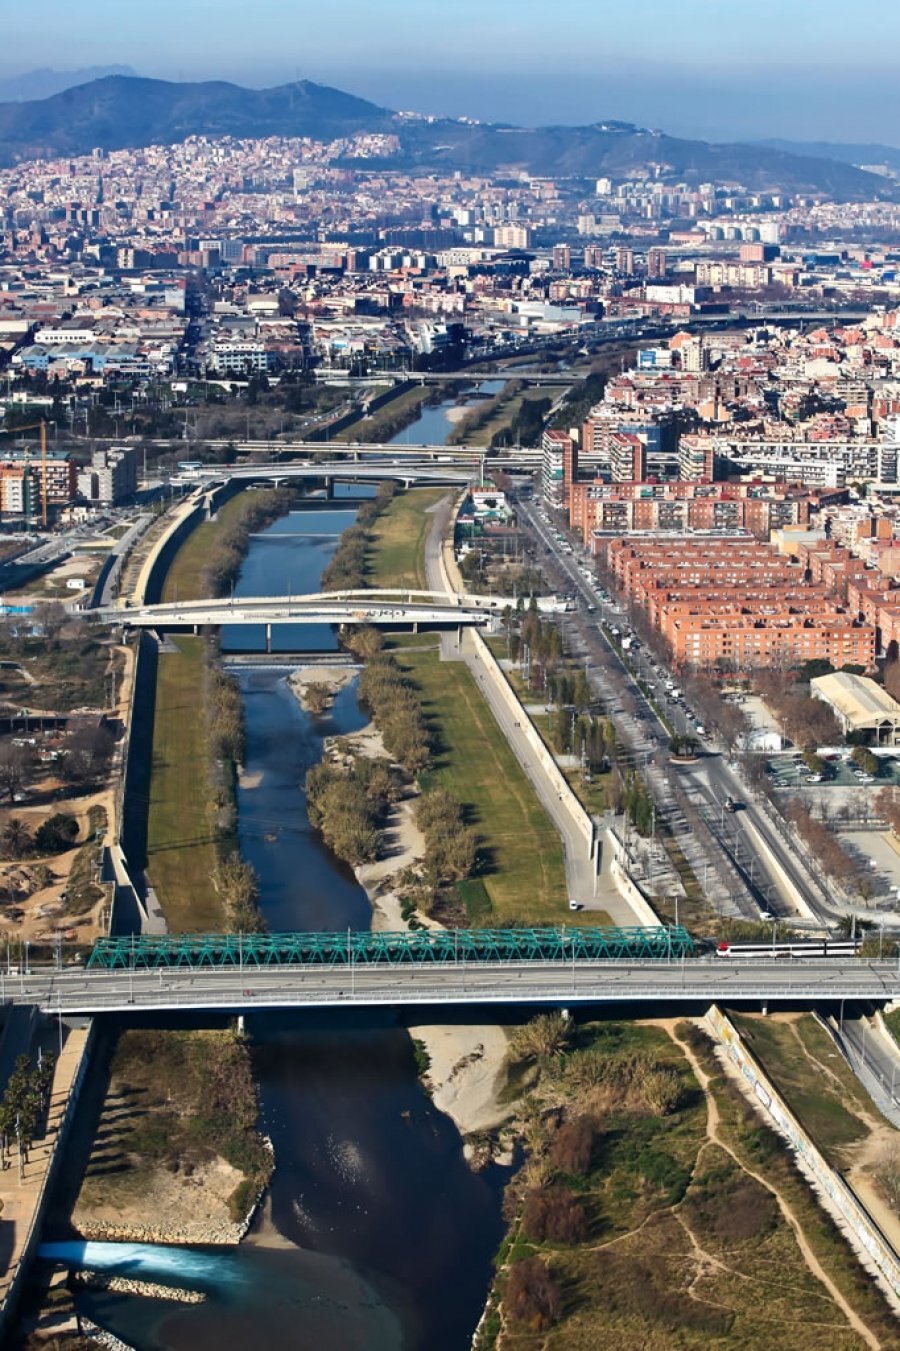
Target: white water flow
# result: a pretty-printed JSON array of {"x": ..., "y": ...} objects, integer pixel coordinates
[{"x": 188, "y": 1268}]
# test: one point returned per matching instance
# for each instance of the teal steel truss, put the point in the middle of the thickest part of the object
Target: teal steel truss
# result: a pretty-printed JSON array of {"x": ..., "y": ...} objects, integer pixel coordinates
[{"x": 392, "y": 949}]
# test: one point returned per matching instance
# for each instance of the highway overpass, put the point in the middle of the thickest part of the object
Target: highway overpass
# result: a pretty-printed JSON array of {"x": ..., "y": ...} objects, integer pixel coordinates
[
  {"x": 653, "y": 984},
  {"x": 384, "y": 609}
]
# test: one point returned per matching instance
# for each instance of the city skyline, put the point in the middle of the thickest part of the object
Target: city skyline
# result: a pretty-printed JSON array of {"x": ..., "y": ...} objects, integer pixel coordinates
[{"x": 708, "y": 70}]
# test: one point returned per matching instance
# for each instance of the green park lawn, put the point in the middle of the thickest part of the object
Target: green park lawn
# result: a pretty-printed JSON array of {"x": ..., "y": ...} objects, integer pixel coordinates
[
  {"x": 524, "y": 873},
  {"x": 396, "y": 556},
  {"x": 181, "y": 831}
]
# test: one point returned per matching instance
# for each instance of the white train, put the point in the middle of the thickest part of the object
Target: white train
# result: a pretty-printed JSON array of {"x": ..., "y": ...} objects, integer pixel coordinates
[{"x": 802, "y": 947}]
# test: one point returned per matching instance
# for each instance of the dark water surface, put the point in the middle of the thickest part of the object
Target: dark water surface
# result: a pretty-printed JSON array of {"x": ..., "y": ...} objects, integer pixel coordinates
[{"x": 376, "y": 1235}]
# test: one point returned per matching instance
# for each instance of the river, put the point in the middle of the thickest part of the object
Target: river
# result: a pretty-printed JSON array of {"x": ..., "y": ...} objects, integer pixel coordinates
[
  {"x": 376, "y": 1234},
  {"x": 435, "y": 422}
]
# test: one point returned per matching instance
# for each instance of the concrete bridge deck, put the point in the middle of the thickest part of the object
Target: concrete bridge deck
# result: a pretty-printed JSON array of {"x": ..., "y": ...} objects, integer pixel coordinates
[
  {"x": 652, "y": 983},
  {"x": 386, "y": 608}
]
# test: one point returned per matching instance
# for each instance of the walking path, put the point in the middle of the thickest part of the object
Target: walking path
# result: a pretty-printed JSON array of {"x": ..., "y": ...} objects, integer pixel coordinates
[
  {"x": 714, "y": 1136},
  {"x": 22, "y": 1191}
]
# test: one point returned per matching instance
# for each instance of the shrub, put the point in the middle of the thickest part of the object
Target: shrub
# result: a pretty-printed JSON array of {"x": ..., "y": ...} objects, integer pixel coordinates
[
  {"x": 573, "y": 1146},
  {"x": 532, "y": 1296},
  {"x": 553, "y": 1215},
  {"x": 57, "y": 833}
]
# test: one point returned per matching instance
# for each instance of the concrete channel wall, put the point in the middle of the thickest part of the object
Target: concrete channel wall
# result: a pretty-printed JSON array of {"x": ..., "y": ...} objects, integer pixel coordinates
[
  {"x": 453, "y": 582},
  {"x": 882, "y": 1259},
  {"x": 633, "y": 894},
  {"x": 495, "y": 674}
]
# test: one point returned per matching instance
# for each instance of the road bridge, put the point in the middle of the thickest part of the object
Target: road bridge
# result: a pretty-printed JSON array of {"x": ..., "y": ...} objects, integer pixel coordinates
[
  {"x": 368, "y": 463},
  {"x": 653, "y": 967},
  {"x": 651, "y": 983},
  {"x": 384, "y": 609}
]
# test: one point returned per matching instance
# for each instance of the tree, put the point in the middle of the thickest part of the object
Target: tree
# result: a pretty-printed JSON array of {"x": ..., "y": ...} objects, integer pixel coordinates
[
  {"x": 887, "y": 1175},
  {"x": 16, "y": 840},
  {"x": 88, "y": 753},
  {"x": 14, "y": 761},
  {"x": 57, "y": 833},
  {"x": 545, "y": 1035},
  {"x": 573, "y": 1146},
  {"x": 892, "y": 678}
]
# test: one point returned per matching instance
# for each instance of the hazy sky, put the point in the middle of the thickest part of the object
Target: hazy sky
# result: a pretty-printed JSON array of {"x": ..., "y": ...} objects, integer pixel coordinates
[{"x": 716, "y": 68}]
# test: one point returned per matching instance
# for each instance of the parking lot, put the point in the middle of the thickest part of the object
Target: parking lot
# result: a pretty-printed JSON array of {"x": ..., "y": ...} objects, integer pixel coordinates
[{"x": 789, "y": 771}]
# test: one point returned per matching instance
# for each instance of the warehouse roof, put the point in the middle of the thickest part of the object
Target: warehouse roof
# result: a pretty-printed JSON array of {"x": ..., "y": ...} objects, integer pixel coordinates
[{"x": 861, "y": 701}]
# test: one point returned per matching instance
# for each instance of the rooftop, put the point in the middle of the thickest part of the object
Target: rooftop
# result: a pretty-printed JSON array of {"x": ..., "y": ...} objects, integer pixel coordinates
[{"x": 857, "y": 697}]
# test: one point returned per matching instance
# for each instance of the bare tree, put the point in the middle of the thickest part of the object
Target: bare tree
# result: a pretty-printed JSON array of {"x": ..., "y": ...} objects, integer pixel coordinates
[{"x": 14, "y": 762}]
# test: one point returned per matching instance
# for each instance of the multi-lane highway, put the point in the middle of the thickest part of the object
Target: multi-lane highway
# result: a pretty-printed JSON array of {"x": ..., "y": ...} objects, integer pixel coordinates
[
  {"x": 652, "y": 984},
  {"x": 778, "y": 882}
]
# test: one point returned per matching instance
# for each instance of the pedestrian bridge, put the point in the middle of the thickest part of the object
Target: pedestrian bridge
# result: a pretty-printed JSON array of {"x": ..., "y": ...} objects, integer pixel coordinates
[
  {"x": 382, "y": 608},
  {"x": 654, "y": 968}
]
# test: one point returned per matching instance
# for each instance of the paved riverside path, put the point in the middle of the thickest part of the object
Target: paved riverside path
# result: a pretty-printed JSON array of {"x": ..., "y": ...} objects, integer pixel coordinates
[
  {"x": 22, "y": 1195},
  {"x": 584, "y": 886},
  {"x": 652, "y": 983}
]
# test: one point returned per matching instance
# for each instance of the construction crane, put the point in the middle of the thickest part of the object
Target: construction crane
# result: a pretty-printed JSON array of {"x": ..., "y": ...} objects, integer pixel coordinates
[{"x": 31, "y": 427}]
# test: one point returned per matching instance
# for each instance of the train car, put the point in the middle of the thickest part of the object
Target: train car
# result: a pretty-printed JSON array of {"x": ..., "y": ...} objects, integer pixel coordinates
[{"x": 799, "y": 948}]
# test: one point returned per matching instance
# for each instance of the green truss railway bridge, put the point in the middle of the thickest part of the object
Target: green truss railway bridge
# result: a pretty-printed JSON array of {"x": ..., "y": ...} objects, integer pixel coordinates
[{"x": 651, "y": 967}]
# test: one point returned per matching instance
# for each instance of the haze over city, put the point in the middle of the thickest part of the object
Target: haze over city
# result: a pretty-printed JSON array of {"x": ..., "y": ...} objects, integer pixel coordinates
[{"x": 706, "y": 68}]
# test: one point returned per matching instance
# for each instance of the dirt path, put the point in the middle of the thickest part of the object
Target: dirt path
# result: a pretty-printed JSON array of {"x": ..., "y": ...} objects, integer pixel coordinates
[{"x": 714, "y": 1136}]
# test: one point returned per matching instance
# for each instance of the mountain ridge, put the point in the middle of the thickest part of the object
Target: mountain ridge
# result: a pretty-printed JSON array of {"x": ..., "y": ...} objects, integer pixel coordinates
[{"x": 119, "y": 112}]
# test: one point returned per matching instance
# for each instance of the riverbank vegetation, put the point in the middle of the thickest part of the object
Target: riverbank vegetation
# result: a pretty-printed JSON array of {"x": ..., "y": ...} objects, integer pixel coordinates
[
  {"x": 347, "y": 800},
  {"x": 395, "y": 415},
  {"x": 178, "y": 1103},
  {"x": 347, "y": 569},
  {"x": 651, "y": 1211},
  {"x": 396, "y": 552},
  {"x": 436, "y": 725},
  {"x": 182, "y": 833},
  {"x": 198, "y": 744},
  {"x": 515, "y": 416},
  {"x": 210, "y": 558},
  {"x": 520, "y": 873},
  {"x": 396, "y": 711}
]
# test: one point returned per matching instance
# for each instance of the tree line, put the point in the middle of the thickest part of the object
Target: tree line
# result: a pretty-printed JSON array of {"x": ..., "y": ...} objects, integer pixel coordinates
[
  {"x": 24, "y": 1103},
  {"x": 347, "y": 569},
  {"x": 257, "y": 510}
]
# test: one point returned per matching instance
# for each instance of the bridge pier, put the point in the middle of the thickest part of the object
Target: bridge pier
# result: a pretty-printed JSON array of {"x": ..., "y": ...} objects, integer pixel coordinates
[
  {"x": 268, "y": 637},
  {"x": 329, "y": 488}
]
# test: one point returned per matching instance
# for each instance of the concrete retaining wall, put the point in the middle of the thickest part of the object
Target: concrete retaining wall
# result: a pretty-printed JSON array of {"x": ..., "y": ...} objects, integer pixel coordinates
[
  {"x": 625, "y": 883},
  {"x": 884, "y": 1261},
  {"x": 558, "y": 780},
  {"x": 453, "y": 582}
]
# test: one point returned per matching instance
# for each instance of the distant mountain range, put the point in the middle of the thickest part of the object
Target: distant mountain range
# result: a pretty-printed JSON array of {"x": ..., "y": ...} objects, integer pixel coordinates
[
  {"x": 850, "y": 153},
  {"x": 42, "y": 83},
  {"x": 119, "y": 112}
]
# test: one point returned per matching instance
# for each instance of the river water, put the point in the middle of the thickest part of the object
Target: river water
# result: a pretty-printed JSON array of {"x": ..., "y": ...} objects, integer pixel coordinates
[
  {"x": 435, "y": 423},
  {"x": 376, "y": 1235}
]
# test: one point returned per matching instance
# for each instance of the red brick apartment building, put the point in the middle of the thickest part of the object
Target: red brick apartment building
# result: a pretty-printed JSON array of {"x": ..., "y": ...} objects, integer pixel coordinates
[
  {"x": 735, "y": 603},
  {"x": 616, "y": 508}
]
